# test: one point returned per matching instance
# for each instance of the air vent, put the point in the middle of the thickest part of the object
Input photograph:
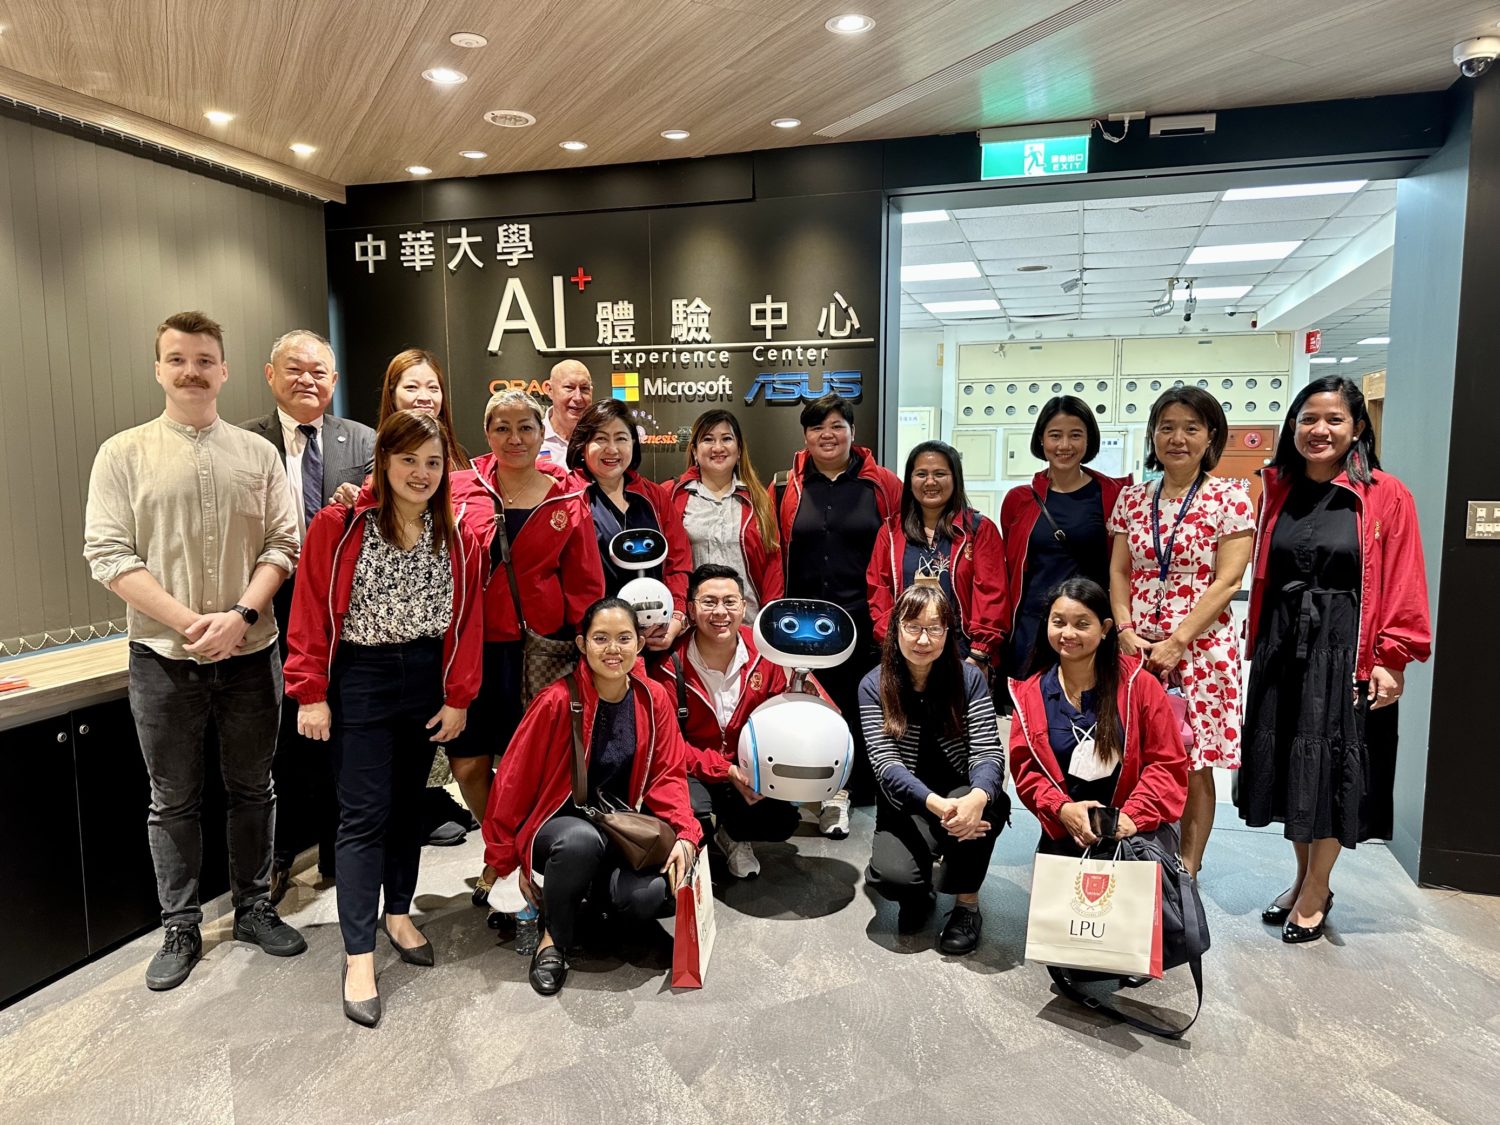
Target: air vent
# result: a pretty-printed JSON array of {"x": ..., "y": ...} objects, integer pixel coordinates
[{"x": 510, "y": 118}]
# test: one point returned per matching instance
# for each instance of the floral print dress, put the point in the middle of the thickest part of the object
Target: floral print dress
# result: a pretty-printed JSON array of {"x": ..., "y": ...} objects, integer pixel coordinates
[{"x": 1210, "y": 671}]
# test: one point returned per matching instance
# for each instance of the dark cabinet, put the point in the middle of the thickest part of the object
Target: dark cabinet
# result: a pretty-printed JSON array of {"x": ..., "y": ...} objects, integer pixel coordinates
[{"x": 41, "y": 876}]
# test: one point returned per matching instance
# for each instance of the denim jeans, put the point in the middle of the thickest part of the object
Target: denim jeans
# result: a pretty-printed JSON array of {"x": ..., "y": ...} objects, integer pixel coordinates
[{"x": 172, "y": 701}]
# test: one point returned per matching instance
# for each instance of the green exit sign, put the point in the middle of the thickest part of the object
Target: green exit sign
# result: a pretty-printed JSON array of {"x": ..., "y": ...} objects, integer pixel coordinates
[{"x": 1034, "y": 156}]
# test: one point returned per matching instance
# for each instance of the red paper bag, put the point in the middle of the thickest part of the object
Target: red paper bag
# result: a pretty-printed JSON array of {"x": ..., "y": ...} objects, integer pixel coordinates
[{"x": 693, "y": 941}]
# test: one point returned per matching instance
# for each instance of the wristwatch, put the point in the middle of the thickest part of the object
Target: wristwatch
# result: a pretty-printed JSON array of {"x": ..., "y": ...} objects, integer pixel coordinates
[{"x": 251, "y": 616}]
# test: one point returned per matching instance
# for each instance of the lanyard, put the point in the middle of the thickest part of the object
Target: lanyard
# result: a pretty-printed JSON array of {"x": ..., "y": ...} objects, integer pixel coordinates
[{"x": 1164, "y": 558}]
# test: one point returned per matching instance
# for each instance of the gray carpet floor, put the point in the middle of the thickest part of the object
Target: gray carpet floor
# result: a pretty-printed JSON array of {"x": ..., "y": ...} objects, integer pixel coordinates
[{"x": 814, "y": 1010}]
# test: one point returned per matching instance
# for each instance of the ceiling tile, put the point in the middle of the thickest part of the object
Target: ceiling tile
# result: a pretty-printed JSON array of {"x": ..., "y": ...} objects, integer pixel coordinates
[
  {"x": 1014, "y": 209},
  {"x": 1162, "y": 216},
  {"x": 1132, "y": 258},
  {"x": 1346, "y": 226},
  {"x": 1372, "y": 201},
  {"x": 1149, "y": 201},
  {"x": 932, "y": 255},
  {"x": 1261, "y": 232},
  {"x": 1169, "y": 238},
  {"x": 1021, "y": 226},
  {"x": 1255, "y": 211},
  {"x": 929, "y": 234},
  {"x": 1030, "y": 249}
]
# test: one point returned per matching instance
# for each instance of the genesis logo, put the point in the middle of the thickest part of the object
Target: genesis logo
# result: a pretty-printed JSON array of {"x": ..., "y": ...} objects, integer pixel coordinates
[{"x": 796, "y": 386}]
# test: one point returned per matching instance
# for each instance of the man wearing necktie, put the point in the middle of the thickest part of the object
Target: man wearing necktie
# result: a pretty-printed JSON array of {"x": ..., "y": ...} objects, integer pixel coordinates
[{"x": 320, "y": 451}]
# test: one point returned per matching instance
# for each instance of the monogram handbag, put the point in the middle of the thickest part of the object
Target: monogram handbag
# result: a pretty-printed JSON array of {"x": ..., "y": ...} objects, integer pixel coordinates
[
  {"x": 644, "y": 840},
  {"x": 543, "y": 659}
]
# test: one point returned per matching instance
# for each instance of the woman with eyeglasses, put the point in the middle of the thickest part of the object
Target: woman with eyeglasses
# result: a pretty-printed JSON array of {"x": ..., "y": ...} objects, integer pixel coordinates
[
  {"x": 634, "y": 757},
  {"x": 727, "y": 514},
  {"x": 938, "y": 535},
  {"x": 935, "y": 748}
]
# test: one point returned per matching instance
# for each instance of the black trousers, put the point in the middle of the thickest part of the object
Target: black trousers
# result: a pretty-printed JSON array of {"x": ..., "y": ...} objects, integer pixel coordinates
[
  {"x": 768, "y": 819},
  {"x": 307, "y": 811},
  {"x": 573, "y": 861},
  {"x": 908, "y": 843},
  {"x": 381, "y": 698},
  {"x": 842, "y": 685}
]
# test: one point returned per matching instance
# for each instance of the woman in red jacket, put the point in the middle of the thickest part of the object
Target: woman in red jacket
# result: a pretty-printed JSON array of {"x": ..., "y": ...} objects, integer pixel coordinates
[
  {"x": 604, "y": 454},
  {"x": 1093, "y": 730},
  {"x": 1338, "y": 609},
  {"x": 383, "y": 656},
  {"x": 634, "y": 756},
  {"x": 724, "y": 509},
  {"x": 939, "y": 535},
  {"x": 1055, "y": 528}
]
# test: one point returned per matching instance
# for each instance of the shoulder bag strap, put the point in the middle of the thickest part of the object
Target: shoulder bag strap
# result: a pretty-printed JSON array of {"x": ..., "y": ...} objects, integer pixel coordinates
[
  {"x": 580, "y": 770},
  {"x": 502, "y": 538},
  {"x": 682, "y": 700},
  {"x": 1057, "y": 533}
]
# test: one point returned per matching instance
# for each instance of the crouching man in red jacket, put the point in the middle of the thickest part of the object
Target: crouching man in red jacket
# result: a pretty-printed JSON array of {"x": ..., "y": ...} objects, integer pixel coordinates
[{"x": 717, "y": 678}]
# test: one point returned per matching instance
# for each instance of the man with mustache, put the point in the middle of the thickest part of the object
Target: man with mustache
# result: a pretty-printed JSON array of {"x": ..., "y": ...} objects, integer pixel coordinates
[{"x": 189, "y": 521}]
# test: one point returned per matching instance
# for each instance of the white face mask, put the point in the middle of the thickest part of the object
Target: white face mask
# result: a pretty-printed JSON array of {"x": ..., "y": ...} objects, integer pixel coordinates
[{"x": 1086, "y": 764}]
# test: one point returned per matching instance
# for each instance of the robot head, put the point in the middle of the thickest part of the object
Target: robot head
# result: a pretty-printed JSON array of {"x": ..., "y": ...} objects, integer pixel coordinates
[
  {"x": 804, "y": 633},
  {"x": 638, "y": 548},
  {"x": 652, "y": 600}
]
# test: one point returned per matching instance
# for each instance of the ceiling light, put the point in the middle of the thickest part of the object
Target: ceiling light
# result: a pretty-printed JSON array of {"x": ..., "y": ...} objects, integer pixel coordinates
[
  {"x": 1348, "y": 359},
  {"x": 219, "y": 117},
  {"x": 303, "y": 150},
  {"x": 445, "y": 76},
  {"x": 1322, "y": 359},
  {"x": 509, "y": 118},
  {"x": 923, "y": 217},
  {"x": 942, "y": 271},
  {"x": 469, "y": 39},
  {"x": 1374, "y": 341},
  {"x": 786, "y": 122},
  {"x": 1033, "y": 267},
  {"x": 675, "y": 134},
  {"x": 1242, "y": 252},
  {"x": 850, "y": 24},
  {"x": 473, "y": 154},
  {"x": 419, "y": 169},
  {"x": 573, "y": 146},
  {"x": 986, "y": 304},
  {"x": 1212, "y": 292},
  {"x": 1291, "y": 191}
]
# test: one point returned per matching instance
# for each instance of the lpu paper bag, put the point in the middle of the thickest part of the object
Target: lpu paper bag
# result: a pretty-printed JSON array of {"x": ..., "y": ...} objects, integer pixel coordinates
[{"x": 1102, "y": 915}]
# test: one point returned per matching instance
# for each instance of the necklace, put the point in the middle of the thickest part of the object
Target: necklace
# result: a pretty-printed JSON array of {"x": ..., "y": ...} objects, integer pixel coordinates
[
  {"x": 1075, "y": 701},
  {"x": 526, "y": 489}
]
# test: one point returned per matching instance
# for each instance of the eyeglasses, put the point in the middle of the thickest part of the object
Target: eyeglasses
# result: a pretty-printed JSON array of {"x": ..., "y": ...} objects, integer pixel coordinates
[
  {"x": 914, "y": 631},
  {"x": 730, "y": 604}
]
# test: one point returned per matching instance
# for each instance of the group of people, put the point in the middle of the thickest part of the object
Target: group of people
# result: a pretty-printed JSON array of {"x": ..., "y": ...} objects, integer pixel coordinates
[{"x": 417, "y": 592}]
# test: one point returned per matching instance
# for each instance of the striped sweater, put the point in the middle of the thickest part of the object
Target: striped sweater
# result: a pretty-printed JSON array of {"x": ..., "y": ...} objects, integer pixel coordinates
[{"x": 978, "y": 755}]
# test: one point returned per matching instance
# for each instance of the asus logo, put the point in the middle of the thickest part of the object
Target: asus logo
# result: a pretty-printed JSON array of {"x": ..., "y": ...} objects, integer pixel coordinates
[{"x": 796, "y": 386}]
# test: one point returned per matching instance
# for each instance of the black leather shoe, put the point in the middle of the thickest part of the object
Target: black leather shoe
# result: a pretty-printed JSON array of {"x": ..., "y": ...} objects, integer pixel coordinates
[
  {"x": 413, "y": 955},
  {"x": 366, "y": 1013},
  {"x": 1275, "y": 915},
  {"x": 281, "y": 882},
  {"x": 960, "y": 932},
  {"x": 548, "y": 970},
  {"x": 1294, "y": 934}
]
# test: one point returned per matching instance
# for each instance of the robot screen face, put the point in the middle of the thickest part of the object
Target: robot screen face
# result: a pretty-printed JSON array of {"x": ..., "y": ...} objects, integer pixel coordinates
[
  {"x": 638, "y": 549},
  {"x": 803, "y": 633}
]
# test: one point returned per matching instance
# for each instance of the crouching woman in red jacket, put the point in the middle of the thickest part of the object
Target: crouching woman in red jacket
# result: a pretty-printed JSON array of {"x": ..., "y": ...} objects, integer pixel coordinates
[
  {"x": 1093, "y": 730},
  {"x": 634, "y": 755},
  {"x": 383, "y": 656}
]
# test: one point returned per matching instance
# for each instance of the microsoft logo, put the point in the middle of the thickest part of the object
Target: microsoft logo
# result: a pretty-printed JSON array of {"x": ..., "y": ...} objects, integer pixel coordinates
[{"x": 626, "y": 385}]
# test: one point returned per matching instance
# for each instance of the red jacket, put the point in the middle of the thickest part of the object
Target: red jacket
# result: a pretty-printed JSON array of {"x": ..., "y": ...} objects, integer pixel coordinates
[
  {"x": 978, "y": 572},
  {"x": 556, "y": 558},
  {"x": 1154, "y": 769},
  {"x": 887, "y": 486},
  {"x": 325, "y": 577},
  {"x": 1019, "y": 512},
  {"x": 679, "y": 564},
  {"x": 712, "y": 748},
  {"x": 764, "y": 564},
  {"x": 1394, "y": 628},
  {"x": 535, "y": 778}
]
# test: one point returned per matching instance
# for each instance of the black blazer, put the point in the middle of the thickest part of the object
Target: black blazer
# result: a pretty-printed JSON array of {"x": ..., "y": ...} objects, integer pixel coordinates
[{"x": 348, "y": 447}]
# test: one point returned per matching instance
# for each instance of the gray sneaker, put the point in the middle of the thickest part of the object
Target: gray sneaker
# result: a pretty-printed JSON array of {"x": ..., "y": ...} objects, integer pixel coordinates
[
  {"x": 179, "y": 952},
  {"x": 833, "y": 817}
]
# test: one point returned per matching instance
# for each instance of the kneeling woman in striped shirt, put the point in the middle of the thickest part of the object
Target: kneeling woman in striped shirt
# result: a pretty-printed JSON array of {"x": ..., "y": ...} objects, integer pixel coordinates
[{"x": 935, "y": 751}]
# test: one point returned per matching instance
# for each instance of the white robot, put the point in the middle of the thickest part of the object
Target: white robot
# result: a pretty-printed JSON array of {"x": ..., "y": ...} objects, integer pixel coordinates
[
  {"x": 796, "y": 746},
  {"x": 642, "y": 549}
]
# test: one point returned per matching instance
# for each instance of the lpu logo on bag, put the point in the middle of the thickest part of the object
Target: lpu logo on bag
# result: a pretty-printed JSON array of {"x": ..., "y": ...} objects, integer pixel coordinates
[{"x": 1092, "y": 891}]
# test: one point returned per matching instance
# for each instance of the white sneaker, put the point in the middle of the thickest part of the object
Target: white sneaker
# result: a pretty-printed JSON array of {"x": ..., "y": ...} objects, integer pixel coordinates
[
  {"x": 833, "y": 817},
  {"x": 740, "y": 856}
]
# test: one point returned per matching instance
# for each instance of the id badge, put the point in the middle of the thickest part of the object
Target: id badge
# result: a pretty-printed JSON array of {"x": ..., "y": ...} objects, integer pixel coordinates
[{"x": 1086, "y": 764}]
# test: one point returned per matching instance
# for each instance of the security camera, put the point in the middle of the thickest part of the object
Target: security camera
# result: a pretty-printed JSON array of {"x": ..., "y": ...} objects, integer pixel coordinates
[{"x": 1474, "y": 56}]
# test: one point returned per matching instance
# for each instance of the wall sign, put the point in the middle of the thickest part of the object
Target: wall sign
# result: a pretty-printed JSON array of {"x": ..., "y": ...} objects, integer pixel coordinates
[
  {"x": 1036, "y": 156},
  {"x": 756, "y": 307}
]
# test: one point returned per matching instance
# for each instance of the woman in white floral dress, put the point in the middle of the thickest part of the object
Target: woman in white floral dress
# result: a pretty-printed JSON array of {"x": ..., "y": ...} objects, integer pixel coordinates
[{"x": 1181, "y": 545}]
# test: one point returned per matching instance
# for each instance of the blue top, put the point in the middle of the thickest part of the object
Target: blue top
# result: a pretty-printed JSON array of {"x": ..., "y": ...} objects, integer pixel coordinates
[
  {"x": 612, "y": 749},
  {"x": 1062, "y": 717},
  {"x": 1080, "y": 515}
]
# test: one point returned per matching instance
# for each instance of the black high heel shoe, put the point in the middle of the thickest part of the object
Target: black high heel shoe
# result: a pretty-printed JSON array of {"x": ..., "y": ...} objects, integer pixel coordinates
[
  {"x": 1294, "y": 934},
  {"x": 366, "y": 1013},
  {"x": 415, "y": 955},
  {"x": 1275, "y": 915}
]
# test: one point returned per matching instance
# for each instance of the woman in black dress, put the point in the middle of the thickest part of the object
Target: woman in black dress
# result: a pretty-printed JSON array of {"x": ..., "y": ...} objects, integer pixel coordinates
[{"x": 1337, "y": 611}]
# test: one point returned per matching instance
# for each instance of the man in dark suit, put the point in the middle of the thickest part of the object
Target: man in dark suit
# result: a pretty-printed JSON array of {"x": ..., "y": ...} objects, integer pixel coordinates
[{"x": 320, "y": 452}]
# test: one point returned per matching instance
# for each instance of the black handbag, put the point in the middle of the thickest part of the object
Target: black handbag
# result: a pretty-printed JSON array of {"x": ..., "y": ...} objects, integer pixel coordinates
[
  {"x": 543, "y": 659},
  {"x": 644, "y": 840}
]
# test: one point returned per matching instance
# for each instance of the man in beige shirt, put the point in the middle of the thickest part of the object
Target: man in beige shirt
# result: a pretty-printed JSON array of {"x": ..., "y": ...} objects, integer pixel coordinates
[{"x": 190, "y": 521}]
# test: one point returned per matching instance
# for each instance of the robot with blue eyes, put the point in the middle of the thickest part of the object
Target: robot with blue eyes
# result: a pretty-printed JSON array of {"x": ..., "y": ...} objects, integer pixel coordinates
[
  {"x": 796, "y": 746},
  {"x": 642, "y": 549}
]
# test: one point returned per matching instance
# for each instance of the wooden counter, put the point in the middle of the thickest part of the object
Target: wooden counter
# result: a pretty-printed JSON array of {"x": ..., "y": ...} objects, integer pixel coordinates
[{"x": 63, "y": 679}]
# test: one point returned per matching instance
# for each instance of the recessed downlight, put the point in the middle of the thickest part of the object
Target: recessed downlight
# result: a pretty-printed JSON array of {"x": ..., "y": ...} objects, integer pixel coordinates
[
  {"x": 303, "y": 149},
  {"x": 850, "y": 24},
  {"x": 473, "y": 154},
  {"x": 419, "y": 169},
  {"x": 445, "y": 76},
  {"x": 219, "y": 117},
  {"x": 786, "y": 122},
  {"x": 574, "y": 146},
  {"x": 510, "y": 118},
  {"x": 675, "y": 134},
  {"x": 1033, "y": 267},
  {"x": 469, "y": 39}
]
